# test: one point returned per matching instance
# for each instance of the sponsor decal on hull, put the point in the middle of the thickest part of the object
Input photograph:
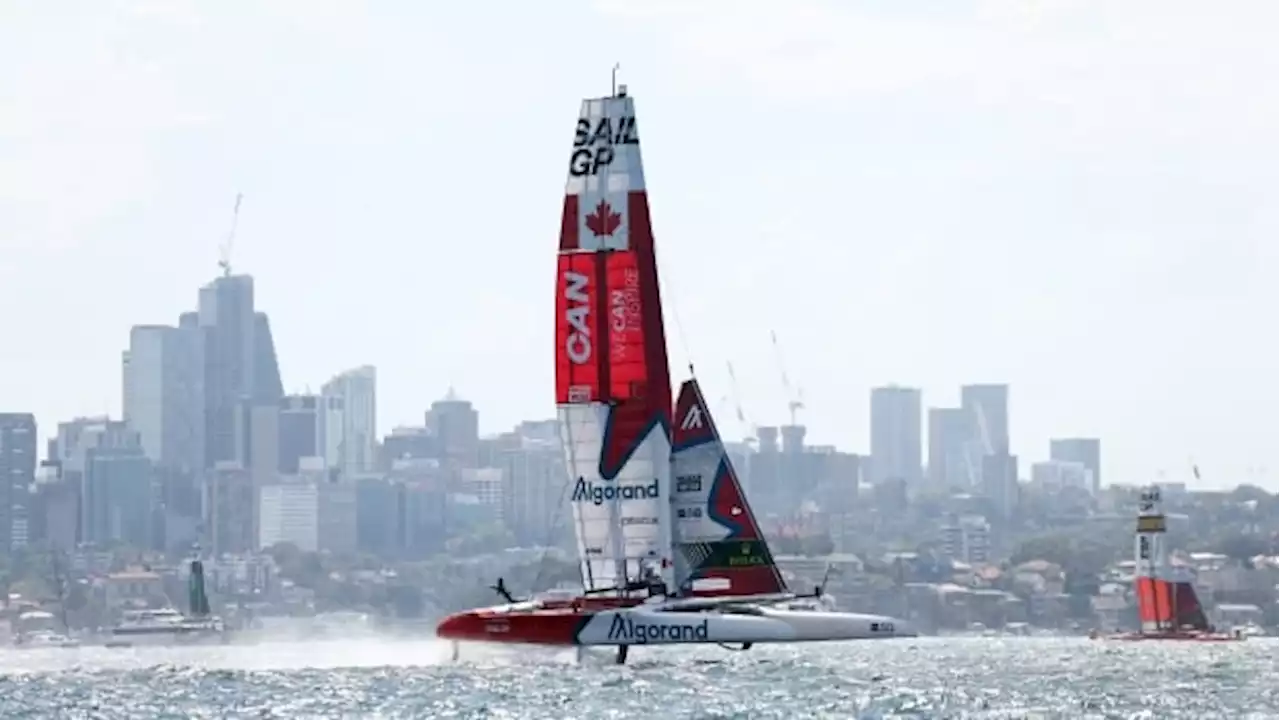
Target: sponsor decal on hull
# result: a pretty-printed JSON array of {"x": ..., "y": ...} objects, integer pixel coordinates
[
  {"x": 597, "y": 494},
  {"x": 628, "y": 630}
]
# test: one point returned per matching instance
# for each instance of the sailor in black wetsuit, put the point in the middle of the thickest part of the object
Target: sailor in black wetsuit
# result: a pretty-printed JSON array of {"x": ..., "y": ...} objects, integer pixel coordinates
[
  {"x": 500, "y": 587},
  {"x": 654, "y": 583}
]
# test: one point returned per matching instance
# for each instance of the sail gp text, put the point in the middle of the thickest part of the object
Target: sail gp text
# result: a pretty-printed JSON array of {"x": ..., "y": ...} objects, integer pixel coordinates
[
  {"x": 637, "y": 632},
  {"x": 597, "y": 494},
  {"x": 593, "y": 143}
]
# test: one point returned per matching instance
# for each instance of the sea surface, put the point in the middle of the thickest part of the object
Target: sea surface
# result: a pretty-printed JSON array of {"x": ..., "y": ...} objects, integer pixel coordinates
[{"x": 374, "y": 677}]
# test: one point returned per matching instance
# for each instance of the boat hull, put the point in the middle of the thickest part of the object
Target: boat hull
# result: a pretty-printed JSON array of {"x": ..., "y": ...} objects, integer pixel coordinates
[
  {"x": 166, "y": 639},
  {"x": 653, "y": 626},
  {"x": 1172, "y": 637}
]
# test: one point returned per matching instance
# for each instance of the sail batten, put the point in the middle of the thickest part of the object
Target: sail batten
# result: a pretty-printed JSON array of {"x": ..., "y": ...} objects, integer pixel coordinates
[{"x": 613, "y": 389}]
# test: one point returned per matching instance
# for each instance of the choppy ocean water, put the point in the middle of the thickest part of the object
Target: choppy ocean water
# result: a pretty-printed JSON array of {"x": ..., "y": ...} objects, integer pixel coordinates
[{"x": 384, "y": 678}]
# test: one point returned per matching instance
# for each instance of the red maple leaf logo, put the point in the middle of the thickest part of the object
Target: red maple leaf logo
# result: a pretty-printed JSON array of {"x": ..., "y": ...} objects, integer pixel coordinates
[{"x": 604, "y": 221}]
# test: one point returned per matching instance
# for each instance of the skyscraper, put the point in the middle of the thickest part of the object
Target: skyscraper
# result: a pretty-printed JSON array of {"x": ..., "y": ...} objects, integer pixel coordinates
[
  {"x": 895, "y": 435},
  {"x": 17, "y": 473},
  {"x": 240, "y": 368},
  {"x": 301, "y": 431},
  {"x": 456, "y": 426},
  {"x": 164, "y": 393},
  {"x": 1086, "y": 451},
  {"x": 350, "y": 419},
  {"x": 949, "y": 437}
]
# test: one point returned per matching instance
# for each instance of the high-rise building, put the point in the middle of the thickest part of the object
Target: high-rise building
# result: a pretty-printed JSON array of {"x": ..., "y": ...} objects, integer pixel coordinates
[
  {"x": 988, "y": 409},
  {"x": 230, "y": 511},
  {"x": 309, "y": 511},
  {"x": 535, "y": 479},
  {"x": 164, "y": 393},
  {"x": 350, "y": 418},
  {"x": 1086, "y": 451},
  {"x": 380, "y": 521},
  {"x": 792, "y": 438},
  {"x": 103, "y": 461},
  {"x": 967, "y": 539},
  {"x": 301, "y": 431},
  {"x": 240, "y": 367},
  {"x": 56, "y": 519},
  {"x": 1000, "y": 484},
  {"x": 407, "y": 443},
  {"x": 117, "y": 500},
  {"x": 1054, "y": 475},
  {"x": 456, "y": 426},
  {"x": 895, "y": 435},
  {"x": 17, "y": 474},
  {"x": 949, "y": 438}
]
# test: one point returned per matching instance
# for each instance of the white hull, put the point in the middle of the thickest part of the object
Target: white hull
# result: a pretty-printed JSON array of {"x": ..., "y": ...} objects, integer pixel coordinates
[
  {"x": 165, "y": 639},
  {"x": 42, "y": 640},
  {"x": 645, "y": 626}
]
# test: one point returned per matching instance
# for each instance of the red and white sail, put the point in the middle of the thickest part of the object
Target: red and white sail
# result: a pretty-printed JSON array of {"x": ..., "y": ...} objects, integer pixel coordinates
[
  {"x": 613, "y": 388},
  {"x": 719, "y": 549},
  {"x": 1166, "y": 595}
]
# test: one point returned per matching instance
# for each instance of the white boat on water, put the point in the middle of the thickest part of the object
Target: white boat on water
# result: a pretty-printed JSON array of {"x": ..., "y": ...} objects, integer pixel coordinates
[
  {"x": 44, "y": 639},
  {"x": 39, "y": 629},
  {"x": 168, "y": 626}
]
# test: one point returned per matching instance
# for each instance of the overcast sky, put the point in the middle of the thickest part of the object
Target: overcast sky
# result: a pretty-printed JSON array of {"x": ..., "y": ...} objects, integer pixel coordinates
[{"x": 1076, "y": 198}]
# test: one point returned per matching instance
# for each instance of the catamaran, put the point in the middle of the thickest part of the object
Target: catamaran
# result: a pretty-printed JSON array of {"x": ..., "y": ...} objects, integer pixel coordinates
[
  {"x": 670, "y": 551},
  {"x": 1168, "y": 606}
]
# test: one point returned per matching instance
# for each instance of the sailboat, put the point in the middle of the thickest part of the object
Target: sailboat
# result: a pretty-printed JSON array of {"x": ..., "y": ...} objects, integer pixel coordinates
[
  {"x": 1168, "y": 606},
  {"x": 669, "y": 549}
]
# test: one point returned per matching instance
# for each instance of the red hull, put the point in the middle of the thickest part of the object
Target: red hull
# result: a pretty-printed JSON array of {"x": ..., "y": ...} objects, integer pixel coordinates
[{"x": 551, "y": 622}]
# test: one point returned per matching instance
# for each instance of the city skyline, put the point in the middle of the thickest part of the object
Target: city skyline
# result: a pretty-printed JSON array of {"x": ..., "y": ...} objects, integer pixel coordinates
[{"x": 1121, "y": 281}]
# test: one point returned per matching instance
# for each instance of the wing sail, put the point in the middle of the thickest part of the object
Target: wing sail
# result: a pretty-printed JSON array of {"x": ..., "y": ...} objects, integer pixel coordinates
[
  {"x": 719, "y": 548},
  {"x": 613, "y": 388}
]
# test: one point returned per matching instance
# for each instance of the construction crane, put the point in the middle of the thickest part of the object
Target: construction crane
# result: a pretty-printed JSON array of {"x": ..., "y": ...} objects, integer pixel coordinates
[
  {"x": 795, "y": 397},
  {"x": 224, "y": 252},
  {"x": 982, "y": 445},
  {"x": 737, "y": 403}
]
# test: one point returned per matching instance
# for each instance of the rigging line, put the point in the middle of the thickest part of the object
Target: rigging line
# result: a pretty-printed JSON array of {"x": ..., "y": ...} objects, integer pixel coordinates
[
  {"x": 552, "y": 529},
  {"x": 664, "y": 270}
]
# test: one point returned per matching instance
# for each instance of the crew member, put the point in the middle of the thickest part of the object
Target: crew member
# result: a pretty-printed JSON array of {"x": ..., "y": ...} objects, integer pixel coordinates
[
  {"x": 656, "y": 585},
  {"x": 500, "y": 587}
]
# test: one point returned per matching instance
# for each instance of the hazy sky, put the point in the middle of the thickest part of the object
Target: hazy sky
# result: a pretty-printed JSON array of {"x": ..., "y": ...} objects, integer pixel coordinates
[{"x": 1077, "y": 198}]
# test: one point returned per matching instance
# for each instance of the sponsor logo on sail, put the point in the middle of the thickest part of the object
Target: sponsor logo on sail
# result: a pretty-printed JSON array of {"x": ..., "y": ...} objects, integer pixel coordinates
[
  {"x": 688, "y": 483},
  {"x": 594, "y": 142},
  {"x": 692, "y": 419},
  {"x": 627, "y": 629},
  {"x": 638, "y": 520},
  {"x": 746, "y": 557},
  {"x": 577, "y": 344},
  {"x": 599, "y": 493}
]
